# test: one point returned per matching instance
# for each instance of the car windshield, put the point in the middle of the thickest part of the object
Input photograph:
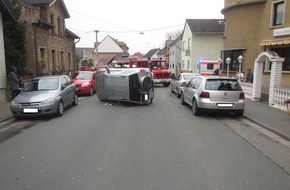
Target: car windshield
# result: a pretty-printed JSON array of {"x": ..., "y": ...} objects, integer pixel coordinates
[
  {"x": 188, "y": 76},
  {"x": 84, "y": 76},
  {"x": 42, "y": 84},
  {"x": 223, "y": 84}
]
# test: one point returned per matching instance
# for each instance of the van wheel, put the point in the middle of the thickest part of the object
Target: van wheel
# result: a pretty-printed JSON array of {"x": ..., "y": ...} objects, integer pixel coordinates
[
  {"x": 60, "y": 109},
  {"x": 195, "y": 108}
]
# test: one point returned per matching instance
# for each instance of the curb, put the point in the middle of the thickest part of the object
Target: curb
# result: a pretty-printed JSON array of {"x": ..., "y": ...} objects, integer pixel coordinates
[{"x": 279, "y": 133}]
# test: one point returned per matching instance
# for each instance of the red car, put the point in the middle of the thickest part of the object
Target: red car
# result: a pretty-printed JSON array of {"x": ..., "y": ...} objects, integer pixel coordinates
[{"x": 85, "y": 82}]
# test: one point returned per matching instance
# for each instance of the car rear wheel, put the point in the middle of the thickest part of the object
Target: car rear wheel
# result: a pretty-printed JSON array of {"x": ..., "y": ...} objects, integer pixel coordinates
[
  {"x": 60, "y": 109},
  {"x": 195, "y": 108},
  {"x": 182, "y": 99}
]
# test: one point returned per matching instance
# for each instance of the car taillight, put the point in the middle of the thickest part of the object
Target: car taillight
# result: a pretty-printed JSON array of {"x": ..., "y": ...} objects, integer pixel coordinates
[
  {"x": 242, "y": 95},
  {"x": 204, "y": 94},
  {"x": 183, "y": 84}
]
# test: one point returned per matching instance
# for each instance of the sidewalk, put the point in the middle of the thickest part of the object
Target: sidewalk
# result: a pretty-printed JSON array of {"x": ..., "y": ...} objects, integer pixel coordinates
[
  {"x": 5, "y": 112},
  {"x": 268, "y": 117}
]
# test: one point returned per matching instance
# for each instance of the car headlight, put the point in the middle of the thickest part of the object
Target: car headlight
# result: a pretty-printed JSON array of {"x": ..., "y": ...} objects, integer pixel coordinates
[
  {"x": 85, "y": 84},
  {"x": 48, "y": 101},
  {"x": 14, "y": 103}
]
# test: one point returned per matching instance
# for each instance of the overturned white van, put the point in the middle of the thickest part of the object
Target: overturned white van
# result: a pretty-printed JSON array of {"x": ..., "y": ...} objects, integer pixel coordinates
[{"x": 133, "y": 85}]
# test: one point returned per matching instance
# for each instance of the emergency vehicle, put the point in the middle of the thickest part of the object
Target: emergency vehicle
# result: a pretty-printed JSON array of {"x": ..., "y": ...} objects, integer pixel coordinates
[
  {"x": 206, "y": 67},
  {"x": 159, "y": 68}
]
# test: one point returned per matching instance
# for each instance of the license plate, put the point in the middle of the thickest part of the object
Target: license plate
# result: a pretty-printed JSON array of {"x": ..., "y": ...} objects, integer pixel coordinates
[
  {"x": 225, "y": 105},
  {"x": 30, "y": 110}
]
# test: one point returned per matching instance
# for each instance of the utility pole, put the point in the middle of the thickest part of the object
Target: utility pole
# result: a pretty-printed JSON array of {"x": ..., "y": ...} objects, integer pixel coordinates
[{"x": 96, "y": 43}]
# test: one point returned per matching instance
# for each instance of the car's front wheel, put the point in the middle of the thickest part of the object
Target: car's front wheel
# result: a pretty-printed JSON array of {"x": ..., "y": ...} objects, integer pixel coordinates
[
  {"x": 195, "y": 108},
  {"x": 60, "y": 109},
  {"x": 91, "y": 91}
]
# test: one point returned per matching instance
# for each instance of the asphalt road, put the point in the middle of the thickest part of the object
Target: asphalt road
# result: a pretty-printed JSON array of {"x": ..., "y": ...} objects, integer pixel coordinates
[{"x": 107, "y": 146}]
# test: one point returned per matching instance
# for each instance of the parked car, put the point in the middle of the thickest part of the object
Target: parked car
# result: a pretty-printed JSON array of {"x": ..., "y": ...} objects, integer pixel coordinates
[
  {"x": 215, "y": 94},
  {"x": 43, "y": 96},
  {"x": 134, "y": 85},
  {"x": 180, "y": 81},
  {"x": 85, "y": 82}
]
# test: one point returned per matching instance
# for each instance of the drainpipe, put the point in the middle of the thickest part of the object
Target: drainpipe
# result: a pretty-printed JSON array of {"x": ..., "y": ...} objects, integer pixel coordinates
[
  {"x": 36, "y": 51},
  {"x": 75, "y": 61}
]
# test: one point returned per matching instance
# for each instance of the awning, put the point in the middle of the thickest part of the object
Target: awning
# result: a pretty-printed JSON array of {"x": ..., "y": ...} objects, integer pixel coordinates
[{"x": 275, "y": 42}]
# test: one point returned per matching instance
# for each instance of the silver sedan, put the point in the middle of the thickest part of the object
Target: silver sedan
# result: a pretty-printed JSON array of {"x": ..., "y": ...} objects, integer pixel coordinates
[
  {"x": 181, "y": 81},
  {"x": 215, "y": 94}
]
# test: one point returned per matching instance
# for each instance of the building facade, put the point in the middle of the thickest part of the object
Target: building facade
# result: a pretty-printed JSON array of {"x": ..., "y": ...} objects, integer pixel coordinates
[
  {"x": 174, "y": 54},
  {"x": 253, "y": 27},
  {"x": 50, "y": 46},
  {"x": 5, "y": 15},
  {"x": 202, "y": 39}
]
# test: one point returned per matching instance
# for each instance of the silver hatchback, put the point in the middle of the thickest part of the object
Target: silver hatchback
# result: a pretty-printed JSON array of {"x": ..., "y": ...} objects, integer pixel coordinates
[{"x": 214, "y": 94}]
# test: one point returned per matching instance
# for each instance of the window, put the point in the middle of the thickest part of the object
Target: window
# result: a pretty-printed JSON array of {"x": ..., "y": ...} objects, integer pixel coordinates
[
  {"x": 188, "y": 64},
  {"x": 59, "y": 26},
  {"x": 52, "y": 22},
  {"x": 69, "y": 60},
  {"x": 209, "y": 66},
  {"x": 62, "y": 60},
  {"x": 183, "y": 46},
  {"x": 285, "y": 53},
  {"x": 53, "y": 59},
  {"x": 233, "y": 55},
  {"x": 183, "y": 65},
  {"x": 278, "y": 13}
]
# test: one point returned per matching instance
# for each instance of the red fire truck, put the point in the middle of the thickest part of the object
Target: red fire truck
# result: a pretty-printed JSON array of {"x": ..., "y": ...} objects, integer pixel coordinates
[{"x": 159, "y": 68}]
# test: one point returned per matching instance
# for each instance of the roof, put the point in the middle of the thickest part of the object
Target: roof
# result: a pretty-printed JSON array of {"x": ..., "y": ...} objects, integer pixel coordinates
[
  {"x": 49, "y": 3},
  {"x": 71, "y": 34},
  {"x": 205, "y": 26},
  {"x": 6, "y": 10},
  {"x": 151, "y": 52}
]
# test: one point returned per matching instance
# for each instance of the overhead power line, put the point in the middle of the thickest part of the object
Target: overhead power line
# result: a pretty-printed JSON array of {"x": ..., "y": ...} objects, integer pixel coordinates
[{"x": 129, "y": 30}]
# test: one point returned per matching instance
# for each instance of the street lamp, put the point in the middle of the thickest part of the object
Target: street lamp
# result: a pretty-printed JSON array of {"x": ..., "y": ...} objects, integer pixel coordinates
[
  {"x": 228, "y": 60},
  {"x": 240, "y": 59},
  {"x": 220, "y": 62}
]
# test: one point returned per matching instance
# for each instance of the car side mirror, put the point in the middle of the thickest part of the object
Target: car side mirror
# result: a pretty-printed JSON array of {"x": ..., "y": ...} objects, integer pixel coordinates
[{"x": 63, "y": 86}]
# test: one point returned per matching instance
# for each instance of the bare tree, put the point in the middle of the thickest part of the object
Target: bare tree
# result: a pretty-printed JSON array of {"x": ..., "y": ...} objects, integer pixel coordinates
[{"x": 173, "y": 35}]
